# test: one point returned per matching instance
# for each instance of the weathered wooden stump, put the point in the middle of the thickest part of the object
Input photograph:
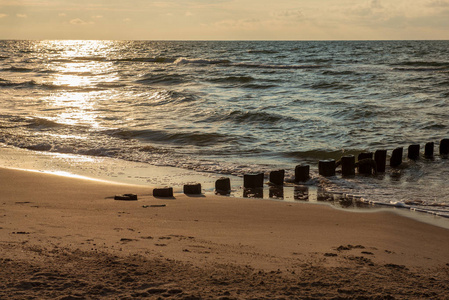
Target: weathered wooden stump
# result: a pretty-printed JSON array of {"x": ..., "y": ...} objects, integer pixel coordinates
[
  {"x": 348, "y": 165},
  {"x": 413, "y": 152},
  {"x": 252, "y": 181},
  {"x": 428, "y": 150},
  {"x": 192, "y": 189},
  {"x": 165, "y": 192},
  {"x": 380, "y": 156},
  {"x": 223, "y": 186},
  {"x": 326, "y": 167},
  {"x": 365, "y": 168},
  {"x": 277, "y": 177},
  {"x": 444, "y": 147},
  {"x": 126, "y": 197},
  {"x": 302, "y": 173},
  {"x": 396, "y": 157}
]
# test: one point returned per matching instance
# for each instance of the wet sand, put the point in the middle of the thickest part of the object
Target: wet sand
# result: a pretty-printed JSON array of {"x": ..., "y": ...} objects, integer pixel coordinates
[{"x": 67, "y": 238}]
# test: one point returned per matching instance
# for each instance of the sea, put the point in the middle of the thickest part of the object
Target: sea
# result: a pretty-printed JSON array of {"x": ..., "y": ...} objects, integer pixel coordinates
[{"x": 230, "y": 108}]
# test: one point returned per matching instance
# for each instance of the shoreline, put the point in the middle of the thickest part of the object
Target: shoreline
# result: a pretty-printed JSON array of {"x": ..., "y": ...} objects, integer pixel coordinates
[
  {"x": 141, "y": 174},
  {"x": 73, "y": 229}
]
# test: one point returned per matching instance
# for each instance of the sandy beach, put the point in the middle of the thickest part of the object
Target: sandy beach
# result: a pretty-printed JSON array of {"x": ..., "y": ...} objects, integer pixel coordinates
[{"x": 67, "y": 238}]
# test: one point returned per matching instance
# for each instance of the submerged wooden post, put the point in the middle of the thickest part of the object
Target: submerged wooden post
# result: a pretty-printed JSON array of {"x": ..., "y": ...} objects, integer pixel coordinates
[
  {"x": 223, "y": 186},
  {"x": 277, "y": 177},
  {"x": 326, "y": 167},
  {"x": 380, "y": 156},
  {"x": 413, "y": 152},
  {"x": 252, "y": 181},
  {"x": 365, "y": 168},
  {"x": 428, "y": 150},
  {"x": 444, "y": 147},
  {"x": 396, "y": 157},
  {"x": 348, "y": 165},
  {"x": 302, "y": 173}
]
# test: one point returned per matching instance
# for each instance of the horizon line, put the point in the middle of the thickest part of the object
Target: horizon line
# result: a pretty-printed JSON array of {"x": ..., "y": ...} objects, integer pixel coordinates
[{"x": 233, "y": 40}]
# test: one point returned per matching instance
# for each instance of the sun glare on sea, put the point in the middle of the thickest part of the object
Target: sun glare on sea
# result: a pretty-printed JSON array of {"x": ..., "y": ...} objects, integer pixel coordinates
[{"x": 78, "y": 71}]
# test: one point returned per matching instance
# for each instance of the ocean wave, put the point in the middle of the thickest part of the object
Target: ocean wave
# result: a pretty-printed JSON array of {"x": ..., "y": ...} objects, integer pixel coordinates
[
  {"x": 42, "y": 124},
  {"x": 202, "y": 61},
  {"x": 179, "y": 138},
  {"x": 32, "y": 84},
  {"x": 280, "y": 67},
  {"x": 317, "y": 155},
  {"x": 90, "y": 58},
  {"x": 233, "y": 79},
  {"x": 147, "y": 59},
  {"x": 444, "y": 83},
  {"x": 323, "y": 85},
  {"x": 17, "y": 69},
  {"x": 109, "y": 85},
  {"x": 241, "y": 117},
  {"x": 262, "y": 51},
  {"x": 423, "y": 64},
  {"x": 23, "y": 84},
  {"x": 433, "y": 126},
  {"x": 354, "y": 114},
  {"x": 167, "y": 79},
  {"x": 164, "y": 97},
  {"x": 337, "y": 73},
  {"x": 421, "y": 69},
  {"x": 259, "y": 86}
]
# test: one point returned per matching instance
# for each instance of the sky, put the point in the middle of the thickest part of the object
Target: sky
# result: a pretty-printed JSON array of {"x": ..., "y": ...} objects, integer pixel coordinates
[{"x": 225, "y": 19}]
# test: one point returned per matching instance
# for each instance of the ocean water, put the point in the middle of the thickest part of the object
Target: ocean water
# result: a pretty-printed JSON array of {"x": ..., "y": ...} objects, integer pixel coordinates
[{"x": 237, "y": 107}]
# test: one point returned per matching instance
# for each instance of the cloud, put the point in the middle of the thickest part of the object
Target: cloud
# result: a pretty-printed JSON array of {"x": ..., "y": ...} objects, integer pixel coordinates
[
  {"x": 3, "y": 15},
  {"x": 79, "y": 22},
  {"x": 21, "y": 16},
  {"x": 438, "y": 3},
  {"x": 289, "y": 14},
  {"x": 126, "y": 20},
  {"x": 97, "y": 17},
  {"x": 245, "y": 24},
  {"x": 375, "y": 4},
  {"x": 62, "y": 15}
]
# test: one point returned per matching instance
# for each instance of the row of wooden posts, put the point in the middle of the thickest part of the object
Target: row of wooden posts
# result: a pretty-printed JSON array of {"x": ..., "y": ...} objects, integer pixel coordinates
[{"x": 368, "y": 163}]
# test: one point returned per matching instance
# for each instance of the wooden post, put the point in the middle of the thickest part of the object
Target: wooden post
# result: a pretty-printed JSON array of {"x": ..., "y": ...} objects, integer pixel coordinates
[
  {"x": 253, "y": 181},
  {"x": 413, "y": 152},
  {"x": 380, "y": 156},
  {"x": 302, "y": 173},
  {"x": 326, "y": 167},
  {"x": 223, "y": 186},
  {"x": 192, "y": 189},
  {"x": 428, "y": 150},
  {"x": 348, "y": 165},
  {"x": 365, "y": 169},
  {"x": 163, "y": 192},
  {"x": 277, "y": 177},
  {"x": 396, "y": 157},
  {"x": 444, "y": 147}
]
